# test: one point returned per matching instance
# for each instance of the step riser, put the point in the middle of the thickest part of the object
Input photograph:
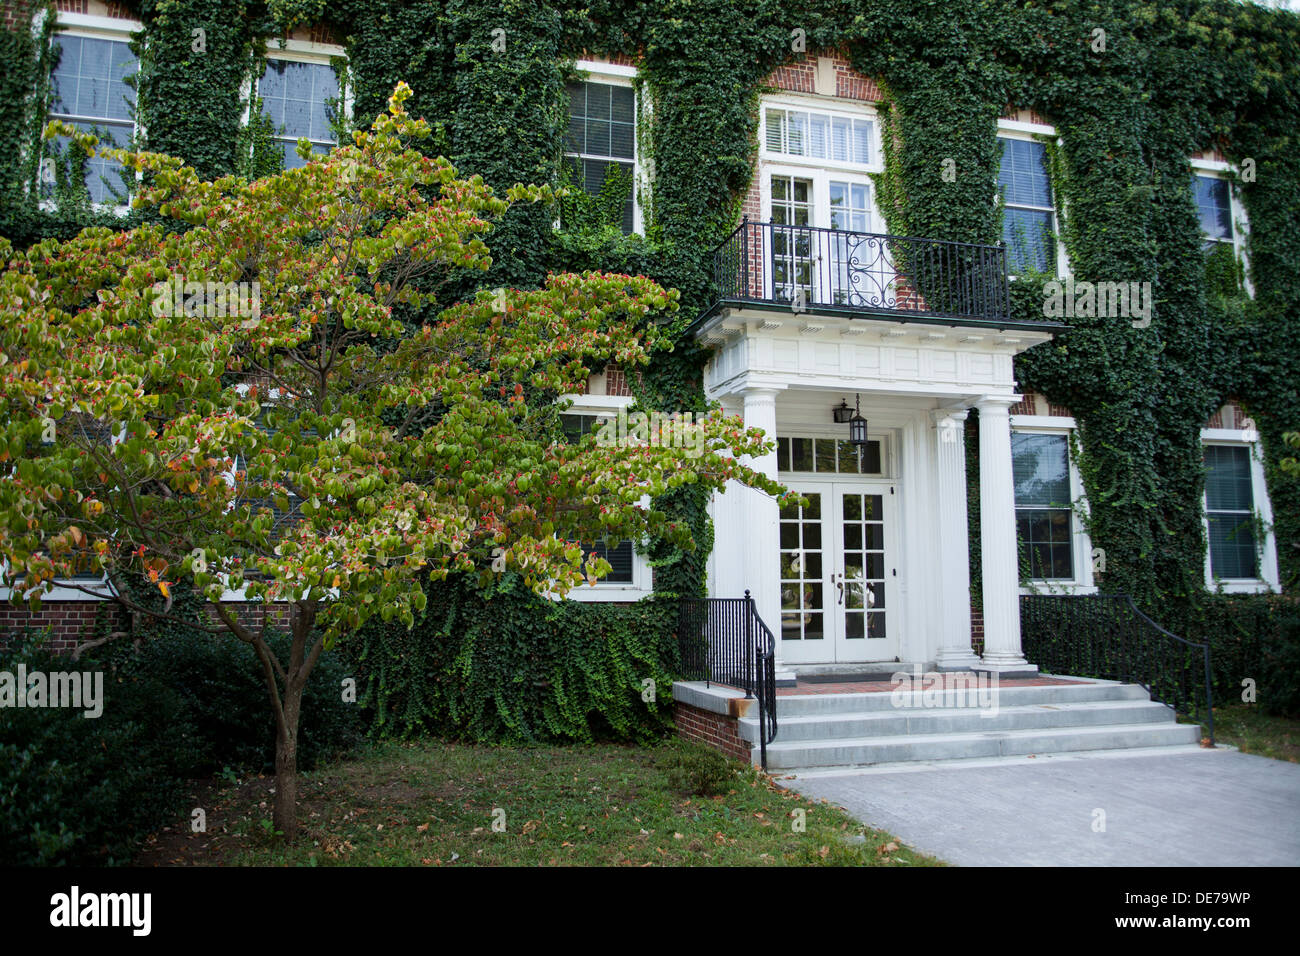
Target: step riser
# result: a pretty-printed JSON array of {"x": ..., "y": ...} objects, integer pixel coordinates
[
  {"x": 791, "y": 756},
  {"x": 934, "y": 721},
  {"x": 811, "y": 704}
]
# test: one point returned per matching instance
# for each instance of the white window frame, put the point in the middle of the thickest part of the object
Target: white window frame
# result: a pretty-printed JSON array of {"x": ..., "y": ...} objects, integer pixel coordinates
[
  {"x": 1218, "y": 169},
  {"x": 301, "y": 51},
  {"x": 822, "y": 172},
  {"x": 96, "y": 27},
  {"x": 1269, "y": 577},
  {"x": 642, "y": 586},
  {"x": 1035, "y": 133},
  {"x": 1084, "y": 581},
  {"x": 615, "y": 74}
]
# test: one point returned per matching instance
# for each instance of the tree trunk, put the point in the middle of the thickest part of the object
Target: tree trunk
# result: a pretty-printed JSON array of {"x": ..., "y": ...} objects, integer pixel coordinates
[{"x": 285, "y": 812}]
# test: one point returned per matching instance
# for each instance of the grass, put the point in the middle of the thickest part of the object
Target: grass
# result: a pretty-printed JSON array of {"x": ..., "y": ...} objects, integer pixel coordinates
[
  {"x": 1251, "y": 731},
  {"x": 432, "y": 803}
]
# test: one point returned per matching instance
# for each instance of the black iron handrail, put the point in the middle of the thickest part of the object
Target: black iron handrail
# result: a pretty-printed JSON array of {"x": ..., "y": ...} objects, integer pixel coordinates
[
  {"x": 814, "y": 268},
  {"x": 1107, "y": 636},
  {"x": 724, "y": 641}
]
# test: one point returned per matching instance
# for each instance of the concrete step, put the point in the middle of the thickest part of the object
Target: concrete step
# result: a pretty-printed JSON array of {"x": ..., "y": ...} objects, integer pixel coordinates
[
  {"x": 926, "y": 721},
  {"x": 1006, "y": 696},
  {"x": 867, "y": 751}
]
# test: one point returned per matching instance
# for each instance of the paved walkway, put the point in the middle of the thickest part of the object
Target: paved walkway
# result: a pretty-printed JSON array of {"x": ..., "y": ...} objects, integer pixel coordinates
[{"x": 1189, "y": 808}]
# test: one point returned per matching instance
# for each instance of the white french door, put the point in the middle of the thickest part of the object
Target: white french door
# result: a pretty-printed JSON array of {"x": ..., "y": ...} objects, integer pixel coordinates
[
  {"x": 839, "y": 580},
  {"x": 809, "y": 264}
]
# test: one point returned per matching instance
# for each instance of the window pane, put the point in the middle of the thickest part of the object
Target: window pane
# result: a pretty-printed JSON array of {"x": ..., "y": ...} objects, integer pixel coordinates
[
  {"x": 1212, "y": 206},
  {"x": 1227, "y": 478},
  {"x": 1232, "y": 546},
  {"x": 775, "y": 123},
  {"x": 1040, "y": 466},
  {"x": 620, "y": 558},
  {"x": 1022, "y": 178},
  {"x": 294, "y": 97},
  {"x": 1028, "y": 235},
  {"x": 602, "y": 120}
]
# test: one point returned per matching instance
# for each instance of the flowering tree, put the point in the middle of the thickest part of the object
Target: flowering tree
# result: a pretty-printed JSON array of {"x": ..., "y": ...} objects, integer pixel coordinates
[{"x": 232, "y": 404}]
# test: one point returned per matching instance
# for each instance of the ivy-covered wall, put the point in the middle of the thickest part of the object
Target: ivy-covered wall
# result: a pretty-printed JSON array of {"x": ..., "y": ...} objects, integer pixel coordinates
[{"x": 1133, "y": 89}]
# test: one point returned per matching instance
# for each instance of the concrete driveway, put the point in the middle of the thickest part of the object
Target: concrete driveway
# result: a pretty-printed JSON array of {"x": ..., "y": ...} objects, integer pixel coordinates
[{"x": 1137, "y": 808}]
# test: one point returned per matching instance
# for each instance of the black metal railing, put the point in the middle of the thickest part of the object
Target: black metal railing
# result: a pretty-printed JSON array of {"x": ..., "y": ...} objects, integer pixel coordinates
[
  {"x": 724, "y": 641},
  {"x": 809, "y": 268},
  {"x": 1106, "y": 636}
]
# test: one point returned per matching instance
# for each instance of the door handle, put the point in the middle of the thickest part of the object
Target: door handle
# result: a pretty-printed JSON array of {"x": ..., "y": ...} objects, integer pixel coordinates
[{"x": 840, "y": 585}]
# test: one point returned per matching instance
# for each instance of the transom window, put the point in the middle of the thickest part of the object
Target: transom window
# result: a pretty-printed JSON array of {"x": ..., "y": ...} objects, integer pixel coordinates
[
  {"x": 828, "y": 456},
  {"x": 1044, "y": 518},
  {"x": 816, "y": 135},
  {"x": 602, "y": 134},
  {"x": 1230, "y": 512},
  {"x": 1027, "y": 211},
  {"x": 297, "y": 96},
  {"x": 1213, "y": 208},
  {"x": 88, "y": 88}
]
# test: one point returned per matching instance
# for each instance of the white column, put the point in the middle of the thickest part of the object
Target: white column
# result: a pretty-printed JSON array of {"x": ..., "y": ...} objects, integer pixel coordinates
[
  {"x": 952, "y": 547},
  {"x": 999, "y": 560},
  {"x": 761, "y": 555}
]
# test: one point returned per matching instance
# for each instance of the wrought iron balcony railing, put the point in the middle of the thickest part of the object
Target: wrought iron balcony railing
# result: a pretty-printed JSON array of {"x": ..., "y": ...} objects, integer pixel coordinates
[{"x": 811, "y": 269}]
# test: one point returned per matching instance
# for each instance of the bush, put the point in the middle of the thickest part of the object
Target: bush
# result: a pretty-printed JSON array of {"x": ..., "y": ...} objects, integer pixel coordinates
[
  {"x": 696, "y": 769},
  {"x": 75, "y": 790},
  {"x": 220, "y": 681},
  {"x": 514, "y": 667}
]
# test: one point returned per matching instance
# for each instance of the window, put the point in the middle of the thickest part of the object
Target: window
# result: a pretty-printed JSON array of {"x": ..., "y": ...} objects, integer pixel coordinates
[
  {"x": 1230, "y": 512},
  {"x": 296, "y": 96},
  {"x": 840, "y": 139},
  {"x": 602, "y": 133},
  {"x": 88, "y": 89},
  {"x": 629, "y": 574},
  {"x": 1213, "y": 208},
  {"x": 1040, "y": 465},
  {"x": 1027, "y": 213},
  {"x": 828, "y": 456}
]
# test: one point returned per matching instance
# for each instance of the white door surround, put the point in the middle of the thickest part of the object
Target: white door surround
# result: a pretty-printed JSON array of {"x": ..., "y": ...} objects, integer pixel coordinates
[{"x": 917, "y": 381}]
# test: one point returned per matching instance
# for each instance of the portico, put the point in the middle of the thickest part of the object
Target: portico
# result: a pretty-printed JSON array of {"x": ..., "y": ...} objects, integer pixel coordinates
[{"x": 874, "y": 568}]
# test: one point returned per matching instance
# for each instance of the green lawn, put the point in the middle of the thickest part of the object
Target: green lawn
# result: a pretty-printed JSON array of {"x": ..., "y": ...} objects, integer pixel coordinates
[
  {"x": 431, "y": 803},
  {"x": 1250, "y": 730}
]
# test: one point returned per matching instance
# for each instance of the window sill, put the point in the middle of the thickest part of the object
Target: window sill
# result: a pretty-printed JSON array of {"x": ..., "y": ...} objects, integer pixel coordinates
[
  {"x": 1058, "y": 587},
  {"x": 1242, "y": 586}
]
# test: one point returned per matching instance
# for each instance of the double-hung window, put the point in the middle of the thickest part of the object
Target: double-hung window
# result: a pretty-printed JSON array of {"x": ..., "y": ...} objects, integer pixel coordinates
[
  {"x": 1044, "y": 517},
  {"x": 89, "y": 90},
  {"x": 1028, "y": 215},
  {"x": 1242, "y": 553},
  {"x": 600, "y": 145},
  {"x": 1213, "y": 209},
  {"x": 300, "y": 98}
]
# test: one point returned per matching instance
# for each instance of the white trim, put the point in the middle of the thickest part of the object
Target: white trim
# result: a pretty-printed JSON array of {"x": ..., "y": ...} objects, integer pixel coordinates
[
  {"x": 1239, "y": 223},
  {"x": 642, "y": 586},
  {"x": 1035, "y": 133},
  {"x": 94, "y": 27},
  {"x": 304, "y": 51},
  {"x": 613, "y": 74},
  {"x": 1084, "y": 581},
  {"x": 1269, "y": 577},
  {"x": 847, "y": 109}
]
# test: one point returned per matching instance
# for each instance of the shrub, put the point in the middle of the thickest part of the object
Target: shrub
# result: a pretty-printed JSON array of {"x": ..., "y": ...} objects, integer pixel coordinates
[
  {"x": 696, "y": 769},
  {"x": 514, "y": 667},
  {"x": 77, "y": 790}
]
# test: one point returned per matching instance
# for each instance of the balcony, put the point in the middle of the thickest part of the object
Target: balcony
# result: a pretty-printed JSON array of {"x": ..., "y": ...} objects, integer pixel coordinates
[{"x": 831, "y": 271}]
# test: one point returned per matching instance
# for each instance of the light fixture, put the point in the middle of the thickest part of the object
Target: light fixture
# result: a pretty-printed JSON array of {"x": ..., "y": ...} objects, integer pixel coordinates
[
  {"x": 858, "y": 425},
  {"x": 841, "y": 413}
]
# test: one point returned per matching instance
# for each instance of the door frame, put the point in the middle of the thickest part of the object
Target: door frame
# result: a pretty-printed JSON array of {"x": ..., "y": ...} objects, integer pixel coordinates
[{"x": 839, "y": 648}]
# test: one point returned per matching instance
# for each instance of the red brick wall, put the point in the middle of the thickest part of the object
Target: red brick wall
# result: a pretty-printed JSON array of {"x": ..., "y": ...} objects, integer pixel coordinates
[
  {"x": 1217, "y": 420},
  {"x": 68, "y": 621},
  {"x": 1035, "y": 404},
  {"x": 977, "y": 630},
  {"x": 18, "y": 14},
  {"x": 712, "y": 730}
]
